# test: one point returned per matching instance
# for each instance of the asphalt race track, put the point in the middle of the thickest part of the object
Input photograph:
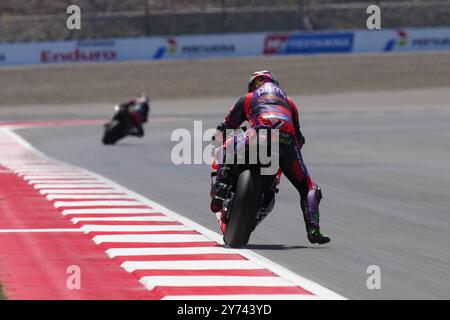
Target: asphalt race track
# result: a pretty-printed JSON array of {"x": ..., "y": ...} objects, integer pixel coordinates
[{"x": 381, "y": 158}]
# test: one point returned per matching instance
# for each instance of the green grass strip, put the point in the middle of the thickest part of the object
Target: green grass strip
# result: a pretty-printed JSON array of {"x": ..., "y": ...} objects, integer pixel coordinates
[{"x": 2, "y": 293}]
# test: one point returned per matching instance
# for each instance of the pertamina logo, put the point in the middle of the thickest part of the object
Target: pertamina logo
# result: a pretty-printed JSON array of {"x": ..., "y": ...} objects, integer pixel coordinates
[
  {"x": 195, "y": 49},
  {"x": 274, "y": 42},
  {"x": 400, "y": 41},
  {"x": 170, "y": 48},
  {"x": 308, "y": 43},
  {"x": 417, "y": 42}
]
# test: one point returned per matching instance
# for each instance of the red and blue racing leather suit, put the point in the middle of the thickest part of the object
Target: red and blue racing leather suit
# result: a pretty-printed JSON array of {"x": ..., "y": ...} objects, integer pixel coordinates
[
  {"x": 270, "y": 107},
  {"x": 138, "y": 112}
]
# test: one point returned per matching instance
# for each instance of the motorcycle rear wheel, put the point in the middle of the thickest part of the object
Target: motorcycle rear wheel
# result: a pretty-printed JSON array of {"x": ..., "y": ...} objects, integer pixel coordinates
[{"x": 242, "y": 218}]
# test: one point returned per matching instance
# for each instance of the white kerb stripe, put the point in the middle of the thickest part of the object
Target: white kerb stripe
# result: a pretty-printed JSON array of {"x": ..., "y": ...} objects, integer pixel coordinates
[
  {"x": 123, "y": 219},
  {"x": 80, "y": 191},
  {"x": 45, "y": 168},
  {"x": 69, "y": 186},
  {"x": 68, "y": 181},
  {"x": 117, "y": 252},
  {"x": 109, "y": 211},
  {"x": 61, "y": 177},
  {"x": 131, "y": 266},
  {"x": 40, "y": 230},
  {"x": 131, "y": 203},
  {"x": 86, "y": 196},
  {"x": 130, "y": 228},
  {"x": 213, "y": 281},
  {"x": 150, "y": 238},
  {"x": 47, "y": 172},
  {"x": 16, "y": 165}
]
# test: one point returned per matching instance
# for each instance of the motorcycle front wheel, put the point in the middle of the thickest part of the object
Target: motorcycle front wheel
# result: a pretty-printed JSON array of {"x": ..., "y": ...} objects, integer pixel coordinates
[{"x": 114, "y": 131}]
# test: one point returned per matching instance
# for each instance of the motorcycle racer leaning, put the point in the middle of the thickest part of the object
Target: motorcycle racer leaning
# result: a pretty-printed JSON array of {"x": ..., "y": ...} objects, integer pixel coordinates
[
  {"x": 138, "y": 108},
  {"x": 266, "y": 105}
]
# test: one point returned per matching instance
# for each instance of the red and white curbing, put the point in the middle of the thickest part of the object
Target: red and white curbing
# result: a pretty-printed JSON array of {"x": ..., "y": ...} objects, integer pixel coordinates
[{"x": 172, "y": 256}]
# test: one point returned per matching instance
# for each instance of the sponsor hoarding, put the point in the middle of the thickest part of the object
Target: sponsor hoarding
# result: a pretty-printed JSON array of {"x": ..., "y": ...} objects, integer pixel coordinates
[
  {"x": 224, "y": 45},
  {"x": 104, "y": 50},
  {"x": 227, "y": 45},
  {"x": 418, "y": 40},
  {"x": 308, "y": 43},
  {"x": 359, "y": 41}
]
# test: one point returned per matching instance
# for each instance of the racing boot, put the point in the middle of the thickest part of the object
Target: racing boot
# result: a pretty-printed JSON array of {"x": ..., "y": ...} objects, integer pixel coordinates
[
  {"x": 311, "y": 215},
  {"x": 220, "y": 188}
]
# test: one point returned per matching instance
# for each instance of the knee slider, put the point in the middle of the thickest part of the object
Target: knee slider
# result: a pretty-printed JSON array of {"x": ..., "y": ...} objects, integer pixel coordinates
[{"x": 318, "y": 193}]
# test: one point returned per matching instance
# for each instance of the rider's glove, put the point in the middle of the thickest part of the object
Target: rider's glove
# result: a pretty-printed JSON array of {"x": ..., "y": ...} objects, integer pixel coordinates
[{"x": 218, "y": 137}]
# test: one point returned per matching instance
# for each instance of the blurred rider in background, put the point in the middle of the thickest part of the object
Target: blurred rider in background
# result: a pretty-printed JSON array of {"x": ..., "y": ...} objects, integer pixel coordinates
[
  {"x": 266, "y": 105},
  {"x": 138, "y": 108}
]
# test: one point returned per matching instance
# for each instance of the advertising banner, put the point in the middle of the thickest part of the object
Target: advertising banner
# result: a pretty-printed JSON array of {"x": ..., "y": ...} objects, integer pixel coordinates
[
  {"x": 359, "y": 41},
  {"x": 95, "y": 50},
  {"x": 418, "y": 40},
  {"x": 229, "y": 45},
  {"x": 107, "y": 50},
  {"x": 308, "y": 43},
  {"x": 224, "y": 45}
]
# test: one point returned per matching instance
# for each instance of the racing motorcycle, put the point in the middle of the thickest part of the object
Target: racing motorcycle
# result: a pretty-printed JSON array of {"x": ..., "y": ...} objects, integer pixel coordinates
[
  {"x": 120, "y": 126},
  {"x": 250, "y": 196}
]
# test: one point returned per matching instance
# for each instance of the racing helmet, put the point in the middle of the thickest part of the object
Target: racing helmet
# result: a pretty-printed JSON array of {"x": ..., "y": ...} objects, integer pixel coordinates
[
  {"x": 260, "y": 77},
  {"x": 143, "y": 98}
]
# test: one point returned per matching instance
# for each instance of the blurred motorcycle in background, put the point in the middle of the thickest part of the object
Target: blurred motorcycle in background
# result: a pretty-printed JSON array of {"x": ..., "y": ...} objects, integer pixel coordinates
[{"x": 127, "y": 120}]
